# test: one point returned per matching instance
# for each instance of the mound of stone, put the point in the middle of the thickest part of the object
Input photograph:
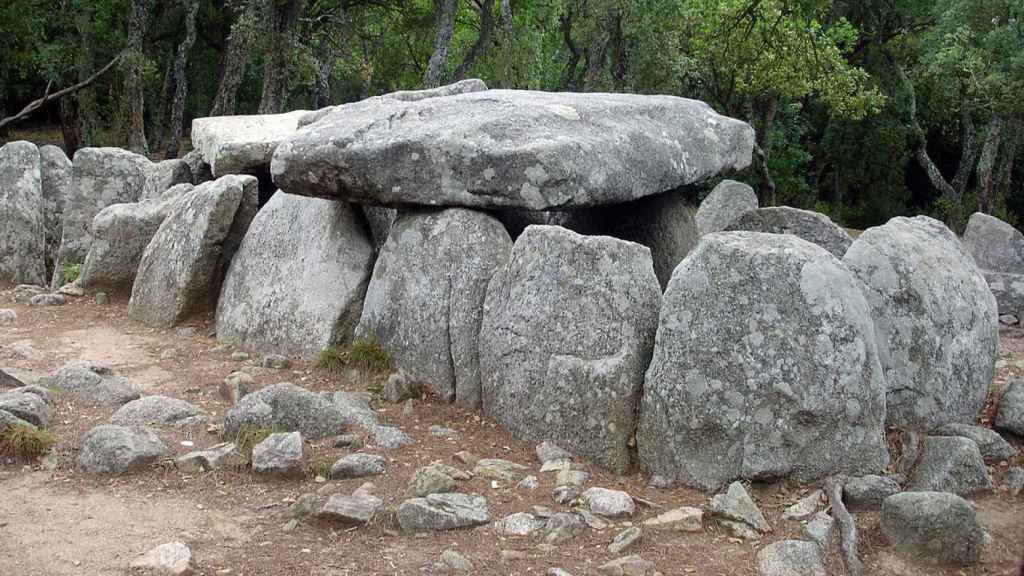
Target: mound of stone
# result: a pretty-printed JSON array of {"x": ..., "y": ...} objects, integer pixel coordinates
[
  {"x": 727, "y": 203},
  {"x": 22, "y": 225},
  {"x": 567, "y": 332},
  {"x": 159, "y": 411},
  {"x": 315, "y": 279},
  {"x": 285, "y": 407},
  {"x": 180, "y": 266},
  {"x": 115, "y": 450},
  {"x": 31, "y": 404},
  {"x": 241, "y": 144},
  {"x": 869, "y": 490},
  {"x": 814, "y": 227},
  {"x": 794, "y": 387},
  {"x": 94, "y": 385},
  {"x": 934, "y": 527},
  {"x": 56, "y": 173},
  {"x": 1010, "y": 414},
  {"x": 949, "y": 464},
  {"x": 791, "y": 558},
  {"x": 425, "y": 300},
  {"x": 511, "y": 149},
  {"x": 100, "y": 177},
  {"x": 935, "y": 317}
]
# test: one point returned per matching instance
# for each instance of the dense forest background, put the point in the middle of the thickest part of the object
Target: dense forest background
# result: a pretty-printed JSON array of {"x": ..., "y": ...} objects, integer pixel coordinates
[{"x": 864, "y": 109}]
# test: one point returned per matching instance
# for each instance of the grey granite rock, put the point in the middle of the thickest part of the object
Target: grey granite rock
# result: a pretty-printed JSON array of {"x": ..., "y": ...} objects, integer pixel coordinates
[
  {"x": 727, "y": 203},
  {"x": 991, "y": 445},
  {"x": 811, "y": 226},
  {"x": 116, "y": 450},
  {"x": 22, "y": 216},
  {"x": 1010, "y": 414},
  {"x": 935, "y": 527},
  {"x": 439, "y": 512},
  {"x": 285, "y": 407},
  {"x": 791, "y": 558},
  {"x": 159, "y": 411},
  {"x": 94, "y": 385},
  {"x": 280, "y": 454},
  {"x": 949, "y": 464}
]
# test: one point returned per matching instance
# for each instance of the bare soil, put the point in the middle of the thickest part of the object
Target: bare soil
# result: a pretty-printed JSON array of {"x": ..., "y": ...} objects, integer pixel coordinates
[{"x": 56, "y": 520}]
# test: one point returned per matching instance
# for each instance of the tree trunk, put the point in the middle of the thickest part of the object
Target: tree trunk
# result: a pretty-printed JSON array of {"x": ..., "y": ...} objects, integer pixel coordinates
[
  {"x": 1004, "y": 179},
  {"x": 595, "y": 61},
  {"x": 85, "y": 110},
  {"x": 987, "y": 164},
  {"x": 969, "y": 144},
  {"x": 445, "y": 27},
  {"x": 482, "y": 39},
  {"x": 766, "y": 109},
  {"x": 181, "y": 78},
  {"x": 233, "y": 66},
  {"x": 157, "y": 122},
  {"x": 70, "y": 126},
  {"x": 573, "y": 62},
  {"x": 282, "y": 15},
  {"x": 138, "y": 22}
]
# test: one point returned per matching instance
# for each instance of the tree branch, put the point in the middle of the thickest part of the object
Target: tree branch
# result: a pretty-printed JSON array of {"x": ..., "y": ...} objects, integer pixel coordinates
[{"x": 48, "y": 97}]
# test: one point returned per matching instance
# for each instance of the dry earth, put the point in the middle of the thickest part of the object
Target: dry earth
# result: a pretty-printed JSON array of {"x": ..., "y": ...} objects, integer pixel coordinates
[{"x": 56, "y": 520}]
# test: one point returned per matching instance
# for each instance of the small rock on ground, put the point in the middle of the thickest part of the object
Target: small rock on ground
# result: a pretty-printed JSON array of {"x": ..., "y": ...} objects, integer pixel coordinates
[
  {"x": 625, "y": 540},
  {"x": 279, "y": 455},
  {"x": 737, "y": 505},
  {"x": 685, "y": 519},
  {"x": 790, "y": 558},
  {"x": 869, "y": 490},
  {"x": 171, "y": 559},
  {"x": 358, "y": 466},
  {"x": 934, "y": 527},
  {"x": 609, "y": 503},
  {"x": 627, "y": 566},
  {"x": 112, "y": 450}
]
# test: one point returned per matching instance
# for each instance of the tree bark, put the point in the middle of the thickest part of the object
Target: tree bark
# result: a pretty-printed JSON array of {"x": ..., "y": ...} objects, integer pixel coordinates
[
  {"x": 969, "y": 145},
  {"x": 84, "y": 105},
  {"x": 444, "y": 28},
  {"x": 483, "y": 39},
  {"x": 157, "y": 122},
  {"x": 846, "y": 526},
  {"x": 766, "y": 109},
  {"x": 1004, "y": 178},
  {"x": 282, "y": 15},
  {"x": 138, "y": 23},
  {"x": 573, "y": 62},
  {"x": 70, "y": 126},
  {"x": 987, "y": 163},
  {"x": 181, "y": 78},
  {"x": 236, "y": 57}
]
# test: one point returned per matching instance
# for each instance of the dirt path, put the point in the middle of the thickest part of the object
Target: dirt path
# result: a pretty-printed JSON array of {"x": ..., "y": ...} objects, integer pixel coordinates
[{"x": 56, "y": 520}]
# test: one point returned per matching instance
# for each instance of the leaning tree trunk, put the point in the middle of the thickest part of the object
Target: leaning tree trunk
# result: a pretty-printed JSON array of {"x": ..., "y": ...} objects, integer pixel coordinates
[
  {"x": 181, "y": 78},
  {"x": 282, "y": 15},
  {"x": 445, "y": 27},
  {"x": 138, "y": 21},
  {"x": 236, "y": 57},
  {"x": 158, "y": 111},
  {"x": 1004, "y": 178},
  {"x": 322, "y": 83},
  {"x": 572, "y": 63},
  {"x": 482, "y": 40},
  {"x": 987, "y": 163}
]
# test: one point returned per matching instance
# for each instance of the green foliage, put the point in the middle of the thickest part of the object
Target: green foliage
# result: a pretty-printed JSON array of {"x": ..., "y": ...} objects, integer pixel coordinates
[
  {"x": 368, "y": 355},
  {"x": 25, "y": 442},
  {"x": 331, "y": 359},
  {"x": 249, "y": 437},
  {"x": 69, "y": 272}
]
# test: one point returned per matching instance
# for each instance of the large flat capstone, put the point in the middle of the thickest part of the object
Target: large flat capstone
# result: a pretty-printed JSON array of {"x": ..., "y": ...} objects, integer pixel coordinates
[
  {"x": 511, "y": 149},
  {"x": 239, "y": 144}
]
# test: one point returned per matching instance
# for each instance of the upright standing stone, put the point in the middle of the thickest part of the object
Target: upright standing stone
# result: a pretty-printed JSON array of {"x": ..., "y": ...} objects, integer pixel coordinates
[
  {"x": 425, "y": 300},
  {"x": 938, "y": 332},
  {"x": 100, "y": 177},
  {"x": 163, "y": 175},
  {"x": 567, "y": 331},
  {"x": 56, "y": 172},
  {"x": 994, "y": 244},
  {"x": 811, "y": 226},
  {"x": 22, "y": 229},
  {"x": 179, "y": 268},
  {"x": 315, "y": 277},
  {"x": 727, "y": 203},
  {"x": 765, "y": 367}
]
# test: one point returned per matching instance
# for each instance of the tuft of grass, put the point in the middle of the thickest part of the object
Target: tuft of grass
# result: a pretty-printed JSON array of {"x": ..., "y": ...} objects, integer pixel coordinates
[
  {"x": 321, "y": 467},
  {"x": 70, "y": 272},
  {"x": 369, "y": 355},
  {"x": 25, "y": 442},
  {"x": 249, "y": 437},
  {"x": 331, "y": 360}
]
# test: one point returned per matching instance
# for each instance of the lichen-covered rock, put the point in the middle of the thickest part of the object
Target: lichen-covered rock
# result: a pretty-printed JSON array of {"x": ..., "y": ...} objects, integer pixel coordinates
[
  {"x": 56, "y": 173},
  {"x": 180, "y": 266},
  {"x": 869, "y": 490},
  {"x": 991, "y": 445},
  {"x": 120, "y": 234},
  {"x": 296, "y": 292},
  {"x": 425, "y": 300},
  {"x": 938, "y": 332},
  {"x": 241, "y": 144},
  {"x": 31, "y": 404},
  {"x": 358, "y": 466},
  {"x": 995, "y": 245},
  {"x": 280, "y": 454},
  {"x": 115, "y": 450},
  {"x": 511, "y": 148},
  {"x": 727, "y": 203},
  {"x": 949, "y": 464},
  {"x": 439, "y": 512},
  {"x": 1008, "y": 290},
  {"x": 159, "y": 411},
  {"x": 285, "y": 407},
  {"x": 1010, "y": 414},
  {"x": 567, "y": 332},
  {"x": 22, "y": 225},
  {"x": 94, "y": 385},
  {"x": 811, "y": 226},
  {"x": 460, "y": 87},
  {"x": 736, "y": 505},
  {"x": 793, "y": 387},
  {"x": 934, "y": 527},
  {"x": 161, "y": 176},
  {"x": 100, "y": 177},
  {"x": 791, "y": 558}
]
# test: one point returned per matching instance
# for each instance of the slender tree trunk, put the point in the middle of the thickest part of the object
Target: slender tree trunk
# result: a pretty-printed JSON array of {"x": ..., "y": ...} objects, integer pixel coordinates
[
  {"x": 138, "y": 22},
  {"x": 987, "y": 163},
  {"x": 595, "y": 62},
  {"x": 181, "y": 78},
  {"x": 969, "y": 145},
  {"x": 282, "y": 15},
  {"x": 4, "y": 133},
  {"x": 482, "y": 40},
  {"x": 766, "y": 109},
  {"x": 157, "y": 123},
  {"x": 322, "y": 83},
  {"x": 444, "y": 28},
  {"x": 236, "y": 57},
  {"x": 573, "y": 62},
  {"x": 84, "y": 105},
  {"x": 1004, "y": 179},
  {"x": 70, "y": 125}
]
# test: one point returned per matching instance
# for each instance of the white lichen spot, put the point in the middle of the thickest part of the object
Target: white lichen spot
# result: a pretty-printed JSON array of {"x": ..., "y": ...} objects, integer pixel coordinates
[
  {"x": 567, "y": 112},
  {"x": 489, "y": 174},
  {"x": 415, "y": 156}
]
